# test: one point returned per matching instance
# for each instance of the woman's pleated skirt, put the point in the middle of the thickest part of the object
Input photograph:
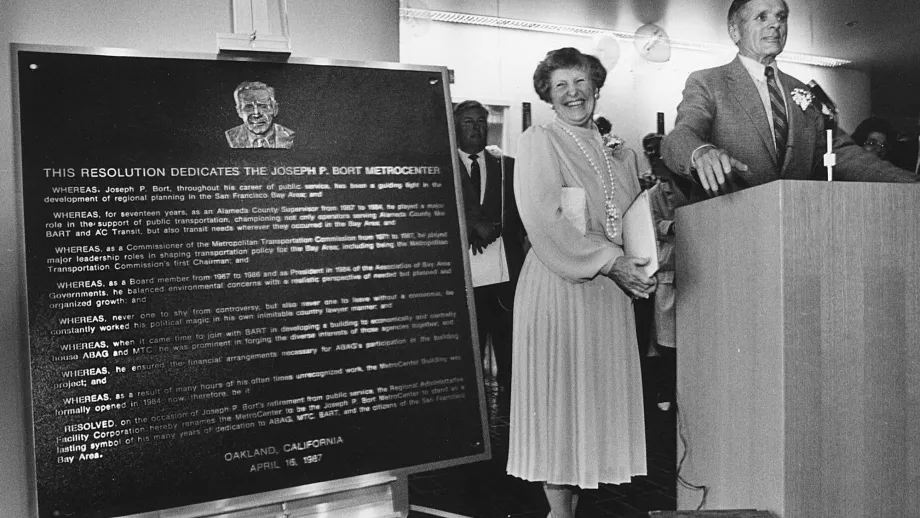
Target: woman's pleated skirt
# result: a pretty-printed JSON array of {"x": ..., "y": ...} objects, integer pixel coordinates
[{"x": 576, "y": 387}]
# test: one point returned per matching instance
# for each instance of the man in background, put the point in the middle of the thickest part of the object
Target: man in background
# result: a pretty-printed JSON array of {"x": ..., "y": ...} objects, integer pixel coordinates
[
  {"x": 651, "y": 146},
  {"x": 491, "y": 221},
  {"x": 256, "y": 106}
]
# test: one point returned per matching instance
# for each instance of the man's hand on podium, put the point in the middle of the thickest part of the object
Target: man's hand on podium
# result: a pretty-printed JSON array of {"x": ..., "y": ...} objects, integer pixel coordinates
[{"x": 716, "y": 171}]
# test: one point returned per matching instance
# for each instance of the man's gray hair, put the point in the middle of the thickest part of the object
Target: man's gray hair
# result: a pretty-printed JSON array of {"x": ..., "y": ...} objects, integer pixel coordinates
[
  {"x": 737, "y": 5},
  {"x": 252, "y": 85}
]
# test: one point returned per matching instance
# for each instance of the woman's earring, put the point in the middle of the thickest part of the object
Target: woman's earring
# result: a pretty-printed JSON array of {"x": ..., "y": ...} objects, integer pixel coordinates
[{"x": 597, "y": 95}]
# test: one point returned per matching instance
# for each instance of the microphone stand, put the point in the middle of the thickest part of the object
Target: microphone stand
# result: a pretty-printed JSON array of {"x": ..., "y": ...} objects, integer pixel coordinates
[{"x": 829, "y": 112}]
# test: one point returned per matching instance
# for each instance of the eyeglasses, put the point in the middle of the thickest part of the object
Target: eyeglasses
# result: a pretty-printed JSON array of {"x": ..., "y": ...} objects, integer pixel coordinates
[{"x": 875, "y": 143}]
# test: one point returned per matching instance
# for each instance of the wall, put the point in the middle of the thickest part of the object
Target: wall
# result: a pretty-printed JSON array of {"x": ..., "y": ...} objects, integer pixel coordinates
[
  {"x": 344, "y": 29},
  {"x": 894, "y": 97},
  {"x": 497, "y": 65}
]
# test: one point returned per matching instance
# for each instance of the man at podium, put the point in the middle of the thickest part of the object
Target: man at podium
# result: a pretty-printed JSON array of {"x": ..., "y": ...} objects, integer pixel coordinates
[{"x": 748, "y": 123}]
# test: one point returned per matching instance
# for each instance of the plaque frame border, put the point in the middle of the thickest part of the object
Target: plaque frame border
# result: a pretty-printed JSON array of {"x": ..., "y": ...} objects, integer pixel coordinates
[{"x": 396, "y": 477}]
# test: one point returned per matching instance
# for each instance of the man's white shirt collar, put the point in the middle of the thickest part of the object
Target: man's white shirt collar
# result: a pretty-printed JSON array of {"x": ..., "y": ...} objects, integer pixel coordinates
[{"x": 758, "y": 69}]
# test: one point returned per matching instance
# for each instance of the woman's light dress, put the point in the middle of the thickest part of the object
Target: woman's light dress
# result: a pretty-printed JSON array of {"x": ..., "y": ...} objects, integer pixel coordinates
[{"x": 576, "y": 398}]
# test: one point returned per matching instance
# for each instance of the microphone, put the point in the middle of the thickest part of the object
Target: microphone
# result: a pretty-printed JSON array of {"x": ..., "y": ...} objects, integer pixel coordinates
[
  {"x": 822, "y": 96},
  {"x": 829, "y": 111},
  {"x": 828, "y": 108}
]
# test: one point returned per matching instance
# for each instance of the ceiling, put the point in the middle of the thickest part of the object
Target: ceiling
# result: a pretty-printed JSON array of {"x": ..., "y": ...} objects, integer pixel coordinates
[
  {"x": 885, "y": 41},
  {"x": 881, "y": 37},
  {"x": 876, "y": 35}
]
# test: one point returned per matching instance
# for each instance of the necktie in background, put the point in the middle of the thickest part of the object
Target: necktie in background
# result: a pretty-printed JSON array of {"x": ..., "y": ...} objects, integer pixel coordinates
[
  {"x": 475, "y": 173},
  {"x": 780, "y": 123}
]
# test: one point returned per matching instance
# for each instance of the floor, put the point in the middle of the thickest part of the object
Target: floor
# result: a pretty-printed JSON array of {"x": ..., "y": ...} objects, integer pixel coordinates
[{"x": 484, "y": 490}]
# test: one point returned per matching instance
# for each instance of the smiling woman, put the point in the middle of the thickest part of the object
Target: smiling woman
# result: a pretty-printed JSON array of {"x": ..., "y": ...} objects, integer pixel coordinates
[
  {"x": 573, "y": 94},
  {"x": 576, "y": 396}
]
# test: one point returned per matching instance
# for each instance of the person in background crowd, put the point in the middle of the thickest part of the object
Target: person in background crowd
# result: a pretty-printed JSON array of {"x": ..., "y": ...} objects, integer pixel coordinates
[
  {"x": 719, "y": 143},
  {"x": 577, "y": 417},
  {"x": 651, "y": 146},
  {"x": 604, "y": 127},
  {"x": 645, "y": 308},
  {"x": 664, "y": 199},
  {"x": 491, "y": 214},
  {"x": 875, "y": 135}
]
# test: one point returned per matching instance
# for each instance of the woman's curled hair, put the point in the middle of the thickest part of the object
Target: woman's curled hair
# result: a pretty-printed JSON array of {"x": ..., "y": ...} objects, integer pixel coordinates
[{"x": 566, "y": 57}]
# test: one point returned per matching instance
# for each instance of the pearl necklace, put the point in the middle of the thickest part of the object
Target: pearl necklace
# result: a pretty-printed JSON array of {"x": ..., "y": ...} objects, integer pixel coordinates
[{"x": 610, "y": 207}]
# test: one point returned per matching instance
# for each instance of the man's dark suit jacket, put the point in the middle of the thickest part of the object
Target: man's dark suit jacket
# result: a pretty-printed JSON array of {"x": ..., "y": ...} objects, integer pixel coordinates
[
  {"x": 721, "y": 106},
  {"x": 238, "y": 137},
  {"x": 490, "y": 210}
]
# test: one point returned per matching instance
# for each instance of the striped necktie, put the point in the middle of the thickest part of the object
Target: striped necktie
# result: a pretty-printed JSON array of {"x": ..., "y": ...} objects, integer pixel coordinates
[{"x": 780, "y": 123}]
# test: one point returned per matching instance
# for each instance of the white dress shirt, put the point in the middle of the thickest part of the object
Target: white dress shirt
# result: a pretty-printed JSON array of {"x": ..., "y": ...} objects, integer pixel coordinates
[
  {"x": 480, "y": 157},
  {"x": 760, "y": 80}
]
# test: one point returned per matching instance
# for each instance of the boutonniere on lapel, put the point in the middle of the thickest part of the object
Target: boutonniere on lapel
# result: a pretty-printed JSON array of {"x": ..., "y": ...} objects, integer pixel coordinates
[{"x": 803, "y": 98}]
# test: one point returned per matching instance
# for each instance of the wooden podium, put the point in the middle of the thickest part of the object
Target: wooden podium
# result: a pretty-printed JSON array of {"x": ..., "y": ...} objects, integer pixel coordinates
[{"x": 798, "y": 330}]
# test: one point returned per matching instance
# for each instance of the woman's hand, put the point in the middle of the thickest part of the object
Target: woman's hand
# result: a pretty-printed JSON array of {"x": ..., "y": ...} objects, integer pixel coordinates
[{"x": 626, "y": 273}]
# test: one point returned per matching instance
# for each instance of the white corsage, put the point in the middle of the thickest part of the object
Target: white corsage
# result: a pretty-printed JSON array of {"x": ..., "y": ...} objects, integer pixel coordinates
[
  {"x": 612, "y": 141},
  {"x": 803, "y": 98}
]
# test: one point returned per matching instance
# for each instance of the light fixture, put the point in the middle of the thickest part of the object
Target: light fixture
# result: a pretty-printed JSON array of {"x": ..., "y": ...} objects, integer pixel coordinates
[{"x": 574, "y": 30}]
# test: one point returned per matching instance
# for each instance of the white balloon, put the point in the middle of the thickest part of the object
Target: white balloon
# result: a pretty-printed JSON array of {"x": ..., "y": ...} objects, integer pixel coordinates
[
  {"x": 652, "y": 43},
  {"x": 606, "y": 49}
]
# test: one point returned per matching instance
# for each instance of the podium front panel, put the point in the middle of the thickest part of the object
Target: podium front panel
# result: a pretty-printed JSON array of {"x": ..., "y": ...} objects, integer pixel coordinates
[{"x": 798, "y": 370}]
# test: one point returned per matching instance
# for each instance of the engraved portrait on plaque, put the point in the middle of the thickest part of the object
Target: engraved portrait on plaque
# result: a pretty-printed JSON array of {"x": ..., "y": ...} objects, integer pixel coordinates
[{"x": 257, "y": 107}]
